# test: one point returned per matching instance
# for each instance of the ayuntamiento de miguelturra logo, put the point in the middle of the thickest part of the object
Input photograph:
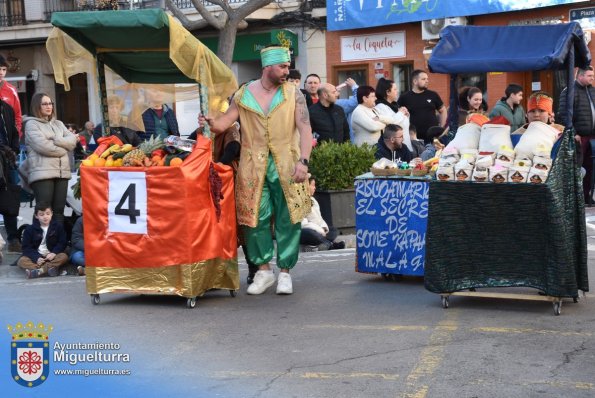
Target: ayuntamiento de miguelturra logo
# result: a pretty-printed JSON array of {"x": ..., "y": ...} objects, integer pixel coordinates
[{"x": 30, "y": 353}]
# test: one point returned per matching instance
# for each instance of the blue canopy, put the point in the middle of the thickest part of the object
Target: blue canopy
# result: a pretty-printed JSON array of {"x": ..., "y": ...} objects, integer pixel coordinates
[{"x": 469, "y": 49}]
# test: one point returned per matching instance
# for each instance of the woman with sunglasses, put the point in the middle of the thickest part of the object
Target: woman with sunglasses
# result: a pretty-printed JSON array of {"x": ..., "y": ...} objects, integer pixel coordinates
[{"x": 48, "y": 143}]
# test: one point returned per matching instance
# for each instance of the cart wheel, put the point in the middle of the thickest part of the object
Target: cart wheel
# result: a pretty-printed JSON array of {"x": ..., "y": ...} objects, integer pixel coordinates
[
  {"x": 232, "y": 293},
  {"x": 557, "y": 307},
  {"x": 386, "y": 277},
  {"x": 191, "y": 302},
  {"x": 444, "y": 302},
  {"x": 95, "y": 298},
  {"x": 575, "y": 299}
]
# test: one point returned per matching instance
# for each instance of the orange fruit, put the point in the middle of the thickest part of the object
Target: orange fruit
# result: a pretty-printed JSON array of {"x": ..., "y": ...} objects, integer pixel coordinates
[
  {"x": 93, "y": 156},
  {"x": 99, "y": 162},
  {"x": 87, "y": 162},
  {"x": 176, "y": 162}
]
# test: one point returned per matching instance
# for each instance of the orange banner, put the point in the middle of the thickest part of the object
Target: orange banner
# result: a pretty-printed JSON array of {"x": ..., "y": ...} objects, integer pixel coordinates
[{"x": 150, "y": 217}]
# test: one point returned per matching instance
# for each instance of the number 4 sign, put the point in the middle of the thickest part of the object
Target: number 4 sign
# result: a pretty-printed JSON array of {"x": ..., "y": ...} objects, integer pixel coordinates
[{"x": 127, "y": 202}]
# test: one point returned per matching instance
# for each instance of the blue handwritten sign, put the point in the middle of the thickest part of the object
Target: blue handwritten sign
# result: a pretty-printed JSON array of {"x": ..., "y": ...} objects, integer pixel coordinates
[
  {"x": 353, "y": 14},
  {"x": 390, "y": 220}
]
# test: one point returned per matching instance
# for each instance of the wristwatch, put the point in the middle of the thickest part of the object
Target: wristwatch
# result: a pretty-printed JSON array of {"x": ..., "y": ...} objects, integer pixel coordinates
[{"x": 305, "y": 162}]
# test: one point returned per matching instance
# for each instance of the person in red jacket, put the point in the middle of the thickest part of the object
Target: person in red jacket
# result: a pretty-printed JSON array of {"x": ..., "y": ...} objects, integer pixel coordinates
[{"x": 8, "y": 94}]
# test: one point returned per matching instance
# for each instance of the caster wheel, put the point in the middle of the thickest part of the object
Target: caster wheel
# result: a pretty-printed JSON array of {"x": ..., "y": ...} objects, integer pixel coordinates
[
  {"x": 95, "y": 298},
  {"x": 575, "y": 299},
  {"x": 232, "y": 293},
  {"x": 444, "y": 302},
  {"x": 191, "y": 302},
  {"x": 557, "y": 307},
  {"x": 386, "y": 277}
]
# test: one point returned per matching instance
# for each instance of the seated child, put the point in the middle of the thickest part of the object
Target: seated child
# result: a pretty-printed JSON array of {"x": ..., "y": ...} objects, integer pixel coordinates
[
  {"x": 417, "y": 144},
  {"x": 44, "y": 243},
  {"x": 433, "y": 149},
  {"x": 77, "y": 257},
  {"x": 315, "y": 231}
]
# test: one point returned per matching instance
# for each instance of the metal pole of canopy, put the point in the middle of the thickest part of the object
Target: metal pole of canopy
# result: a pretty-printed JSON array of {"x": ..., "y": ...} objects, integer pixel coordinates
[
  {"x": 105, "y": 128},
  {"x": 203, "y": 93},
  {"x": 570, "y": 89},
  {"x": 453, "y": 109}
]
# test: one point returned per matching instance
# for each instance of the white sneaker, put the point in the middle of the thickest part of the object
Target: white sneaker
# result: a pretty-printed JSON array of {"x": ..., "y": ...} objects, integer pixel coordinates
[
  {"x": 262, "y": 281},
  {"x": 284, "y": 285}
]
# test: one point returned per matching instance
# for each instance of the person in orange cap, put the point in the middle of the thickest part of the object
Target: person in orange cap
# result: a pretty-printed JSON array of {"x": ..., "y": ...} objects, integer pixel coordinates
[{"x": 540, "y": 109}]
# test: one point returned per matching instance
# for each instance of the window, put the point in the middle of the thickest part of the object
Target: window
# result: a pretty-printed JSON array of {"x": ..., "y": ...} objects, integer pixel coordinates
[
  {"x": 402, "y": 77},
  {"x": 359, "y": 75}
]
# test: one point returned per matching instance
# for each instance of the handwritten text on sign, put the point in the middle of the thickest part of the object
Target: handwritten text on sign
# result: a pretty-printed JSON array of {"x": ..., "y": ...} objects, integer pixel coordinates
[
  {"x": 391, "y": 218},
  {"x": 385, "y": 45}
]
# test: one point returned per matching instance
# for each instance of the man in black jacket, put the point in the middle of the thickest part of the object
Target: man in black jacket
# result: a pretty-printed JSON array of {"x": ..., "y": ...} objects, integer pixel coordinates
[
  {"x": 328, "y": 120},
  {"x": 583, "y": 119},
  {"x": 9, "y": 148},
  {"x": 390, "y": 145}
]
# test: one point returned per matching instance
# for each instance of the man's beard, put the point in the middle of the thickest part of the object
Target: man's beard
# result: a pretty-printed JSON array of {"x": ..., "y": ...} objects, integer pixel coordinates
[{"x": 280, "y": 80}]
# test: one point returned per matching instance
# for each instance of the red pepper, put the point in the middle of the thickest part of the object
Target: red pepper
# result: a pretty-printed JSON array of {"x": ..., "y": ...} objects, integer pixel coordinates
[
  {"x": 106, "y": 142},
  {"x": 158, "y": 152}
]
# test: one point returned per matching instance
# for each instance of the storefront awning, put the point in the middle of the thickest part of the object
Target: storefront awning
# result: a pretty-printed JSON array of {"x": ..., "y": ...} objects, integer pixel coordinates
[
  {"x": 508, "y": 48},
  {"x": 247, "y": 47}
]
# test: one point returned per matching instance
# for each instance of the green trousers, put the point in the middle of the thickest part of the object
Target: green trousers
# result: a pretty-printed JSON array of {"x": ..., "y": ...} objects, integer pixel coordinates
[{"x": 259, "y": 240}]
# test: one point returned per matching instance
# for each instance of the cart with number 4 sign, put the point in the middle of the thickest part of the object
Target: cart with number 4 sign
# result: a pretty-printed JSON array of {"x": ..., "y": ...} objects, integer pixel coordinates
[
  {"x": 153, "y": 230},
  {"x": 485, "y": 235}
]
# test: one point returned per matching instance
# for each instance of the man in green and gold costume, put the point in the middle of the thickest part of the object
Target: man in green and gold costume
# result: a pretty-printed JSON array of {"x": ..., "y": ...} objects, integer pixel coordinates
[{"x": 272, "y": 174}]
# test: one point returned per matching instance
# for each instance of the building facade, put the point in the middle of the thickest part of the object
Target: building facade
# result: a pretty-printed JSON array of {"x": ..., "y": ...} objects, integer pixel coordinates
[
  {"x": 25, "y": 25},
  {"x": 394, "y": 51}
]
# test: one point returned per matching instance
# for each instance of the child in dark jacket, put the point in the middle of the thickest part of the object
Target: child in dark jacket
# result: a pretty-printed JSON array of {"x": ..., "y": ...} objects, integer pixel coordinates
[
  {"x": 44, "y": 243},
  {"x": 77, "y": 257}
]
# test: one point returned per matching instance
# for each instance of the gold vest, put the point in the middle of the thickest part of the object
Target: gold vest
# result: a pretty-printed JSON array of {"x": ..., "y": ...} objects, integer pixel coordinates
[{"x": 275, "y": 132}]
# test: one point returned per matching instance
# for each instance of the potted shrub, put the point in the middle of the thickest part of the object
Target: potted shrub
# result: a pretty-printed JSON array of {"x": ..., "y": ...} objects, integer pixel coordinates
[{"x": 335, "y": 167}]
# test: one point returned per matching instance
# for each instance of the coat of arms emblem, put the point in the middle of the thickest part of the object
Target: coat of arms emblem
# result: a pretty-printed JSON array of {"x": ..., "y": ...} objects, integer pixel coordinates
[{"x": 29, "y": 353}]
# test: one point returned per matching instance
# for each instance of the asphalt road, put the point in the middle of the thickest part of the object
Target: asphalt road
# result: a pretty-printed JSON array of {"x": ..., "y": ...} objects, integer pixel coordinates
[{"x": 341, "y": 334}]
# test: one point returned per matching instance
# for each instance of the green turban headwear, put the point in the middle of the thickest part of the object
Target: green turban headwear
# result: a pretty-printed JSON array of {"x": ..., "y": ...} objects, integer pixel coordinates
[{"x": 274, "y": 56}]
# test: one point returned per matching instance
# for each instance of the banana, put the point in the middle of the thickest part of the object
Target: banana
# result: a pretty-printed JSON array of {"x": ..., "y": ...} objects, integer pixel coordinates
[
  {"x": 112, "y": 149},
  {"x": 105, "y": 153},
  {"x": 126, "y": 148}
]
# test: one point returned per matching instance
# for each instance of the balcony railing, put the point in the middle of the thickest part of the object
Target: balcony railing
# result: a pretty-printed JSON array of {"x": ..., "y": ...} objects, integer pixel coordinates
[
  {"x": 12, "y": 12},
  {"x": 52, "y": 6},
  {"x": 188, "y": 3}
]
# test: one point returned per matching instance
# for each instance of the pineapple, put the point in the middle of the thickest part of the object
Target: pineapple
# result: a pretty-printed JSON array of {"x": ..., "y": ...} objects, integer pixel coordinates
[{"x": 137, "y": 156}]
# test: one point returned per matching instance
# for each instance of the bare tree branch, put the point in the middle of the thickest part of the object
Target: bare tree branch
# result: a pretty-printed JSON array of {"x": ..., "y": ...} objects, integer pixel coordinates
[
  {"x": 228, "y": 21},
  {"x": 223, "y": 4},
  {"x": 188, "y": 24},
  {"x": 248, "y": 8},
  {"x": 207, "y": 15}
]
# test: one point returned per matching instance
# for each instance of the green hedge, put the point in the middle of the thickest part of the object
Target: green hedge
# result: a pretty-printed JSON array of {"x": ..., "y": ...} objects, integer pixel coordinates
[{"x": 335, "y": 165}]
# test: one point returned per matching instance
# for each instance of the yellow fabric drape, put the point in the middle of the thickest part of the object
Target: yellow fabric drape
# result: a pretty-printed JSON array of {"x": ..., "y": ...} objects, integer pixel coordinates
[{"x": 192, "y": 58}]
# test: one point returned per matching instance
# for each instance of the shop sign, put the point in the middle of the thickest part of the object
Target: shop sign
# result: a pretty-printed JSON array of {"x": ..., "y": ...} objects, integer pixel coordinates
[
  {"x": 247, "y": 47},
  {"x": 348, "y": 14},
  {"x": 363, "y": 47},
  {"x": 584, "y": 16}
]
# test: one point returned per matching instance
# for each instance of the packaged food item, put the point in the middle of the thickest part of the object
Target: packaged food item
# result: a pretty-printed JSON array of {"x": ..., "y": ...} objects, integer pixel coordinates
[
  {"x": 445, "y": 173},
  {"x": 182, "y": 144},
  {"x": 537, "y": 176},
  {"x": 498, "y": 174}
]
